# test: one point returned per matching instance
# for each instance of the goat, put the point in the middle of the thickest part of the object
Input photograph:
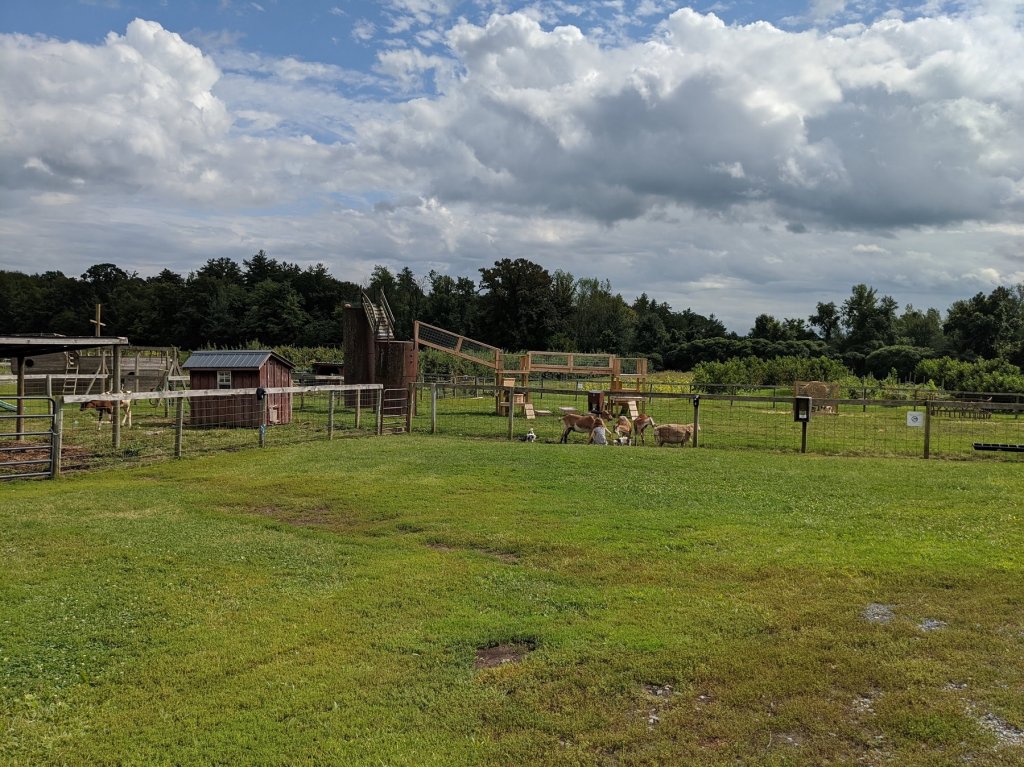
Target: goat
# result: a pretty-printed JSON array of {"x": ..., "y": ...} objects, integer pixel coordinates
[
  {"x": 674, "y": 433},
  {"x": 623, "y": 427},
  {"x": 530, "y": 436},
  {"x": 107, "y": 406},
  {"x": 585, "y": 424},
  {"x": 641, "y": 424}
]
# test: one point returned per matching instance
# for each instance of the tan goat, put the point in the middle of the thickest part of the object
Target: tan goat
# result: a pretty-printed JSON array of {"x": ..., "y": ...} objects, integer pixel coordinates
[
  {"x": 641, "y": 424},
  {"x": 674, "y": 433}
]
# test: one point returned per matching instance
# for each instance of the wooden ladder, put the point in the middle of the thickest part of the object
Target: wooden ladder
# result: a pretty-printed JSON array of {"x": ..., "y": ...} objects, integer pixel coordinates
[{"x": 70, "y": 385}]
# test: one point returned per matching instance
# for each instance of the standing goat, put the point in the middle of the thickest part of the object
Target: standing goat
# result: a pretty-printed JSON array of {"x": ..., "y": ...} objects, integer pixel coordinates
[
  {"x": 585, "y": 424},
  {"x": 641, "y": 424}
]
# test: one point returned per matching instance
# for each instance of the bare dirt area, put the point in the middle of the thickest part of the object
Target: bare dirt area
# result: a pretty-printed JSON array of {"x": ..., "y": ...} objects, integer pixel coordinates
[{"x": 502, "y": 654}]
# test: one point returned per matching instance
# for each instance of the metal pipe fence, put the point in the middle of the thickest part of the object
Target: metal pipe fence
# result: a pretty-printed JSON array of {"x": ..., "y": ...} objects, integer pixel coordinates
[
  {"x": 934, "y": 428},
  {"x": 26, "y": 437}
]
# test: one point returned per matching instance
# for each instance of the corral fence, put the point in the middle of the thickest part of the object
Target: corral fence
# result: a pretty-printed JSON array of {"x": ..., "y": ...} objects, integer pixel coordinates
[
  {"x": 27, "y": 438},
  {"x": 946, "y": 427},
  {"x": 45, "y": 436}
]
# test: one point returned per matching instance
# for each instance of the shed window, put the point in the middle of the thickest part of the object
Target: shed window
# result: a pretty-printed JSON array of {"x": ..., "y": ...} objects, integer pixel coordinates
[{"x": 223, "y": 379}]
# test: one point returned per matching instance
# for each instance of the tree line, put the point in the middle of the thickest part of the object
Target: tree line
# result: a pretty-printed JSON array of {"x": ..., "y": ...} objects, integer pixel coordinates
[{"x": 514, "y": 304}]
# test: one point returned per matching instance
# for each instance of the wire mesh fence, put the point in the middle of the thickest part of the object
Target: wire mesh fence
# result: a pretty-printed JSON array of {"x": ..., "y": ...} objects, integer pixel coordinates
[
  {"x": 192, "y": 422},
  {"x": 84, "y": 433},
  {"x": 923, "y": 428}
]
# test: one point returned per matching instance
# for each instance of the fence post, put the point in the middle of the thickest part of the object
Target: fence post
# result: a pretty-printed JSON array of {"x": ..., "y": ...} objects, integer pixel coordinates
[
  {"x": 380, "y": 411},
  {"x": 410, "y": 407},
  {"x": 927, "y": 428},
  {"x": 511, "y": 412},
  {"x": 330, "y": 415},
  {"x": 433, "y": 408},
  {"x": 57, "y": 437},
  {"x": 696, "y": 419},
  {"x": 359, "y": 408},
  {"x": 179, "y": 423},
  {"x": 116, "y": 388},
  {"x": 263, "y": 421}
]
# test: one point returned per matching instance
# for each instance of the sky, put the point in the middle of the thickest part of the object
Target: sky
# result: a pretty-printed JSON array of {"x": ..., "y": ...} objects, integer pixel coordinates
[{"x": 733, "y": 157}]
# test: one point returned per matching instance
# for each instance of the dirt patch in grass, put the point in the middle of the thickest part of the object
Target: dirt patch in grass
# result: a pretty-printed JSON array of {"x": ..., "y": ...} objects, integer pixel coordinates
[
  {"x": 788, "y": 738},
  {"x": 1006, "y": 733},
  {"x": 318, "y": 516},
  {"x": 661, "y": 692},
  {"x": 502, "y": 654},
  {"x": 508, "y": 557},
  {"x": 878, "y": 613}
]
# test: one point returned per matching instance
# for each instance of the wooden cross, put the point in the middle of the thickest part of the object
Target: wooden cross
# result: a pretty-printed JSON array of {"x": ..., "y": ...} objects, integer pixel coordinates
[{"x": 99, "y": 325}]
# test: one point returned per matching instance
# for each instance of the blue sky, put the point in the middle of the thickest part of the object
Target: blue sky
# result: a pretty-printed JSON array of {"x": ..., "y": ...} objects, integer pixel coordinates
[{"x": 732, "y": 157}]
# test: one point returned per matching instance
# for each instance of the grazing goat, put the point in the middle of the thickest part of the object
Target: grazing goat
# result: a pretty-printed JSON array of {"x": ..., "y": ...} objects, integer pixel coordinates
[
  {"x": 641, "y": 424},
  {"x": 107, "y": 406},
  {"x": 674, "y": 433},
  {"x": 585, "y": 424}
]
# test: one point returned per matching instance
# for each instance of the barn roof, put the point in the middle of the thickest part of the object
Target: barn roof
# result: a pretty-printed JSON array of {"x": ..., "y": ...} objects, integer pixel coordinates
[
  {"x": 30, "y": 344},
  {"x": 245, "y": 359}
]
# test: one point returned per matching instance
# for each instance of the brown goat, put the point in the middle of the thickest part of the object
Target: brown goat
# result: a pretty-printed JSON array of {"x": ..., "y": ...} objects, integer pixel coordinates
[
  {"x": 641, "y": 424},
  {"x": 582, "y": 423}
]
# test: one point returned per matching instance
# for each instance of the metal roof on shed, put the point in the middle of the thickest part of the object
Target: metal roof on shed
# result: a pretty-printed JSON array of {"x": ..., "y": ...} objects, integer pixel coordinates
[{"x": 235, "y": 360}]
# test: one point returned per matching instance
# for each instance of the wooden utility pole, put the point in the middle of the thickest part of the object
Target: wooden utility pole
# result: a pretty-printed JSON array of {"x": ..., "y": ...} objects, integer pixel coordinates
[{"x": 99, "y": 325}]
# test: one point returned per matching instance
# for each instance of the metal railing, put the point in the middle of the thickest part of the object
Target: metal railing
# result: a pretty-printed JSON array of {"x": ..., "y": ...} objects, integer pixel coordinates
[{"x": 28, "y": 429}]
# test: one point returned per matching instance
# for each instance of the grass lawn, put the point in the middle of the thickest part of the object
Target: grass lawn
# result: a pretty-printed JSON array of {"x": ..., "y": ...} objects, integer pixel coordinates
[{"x": 326, "y": 604}]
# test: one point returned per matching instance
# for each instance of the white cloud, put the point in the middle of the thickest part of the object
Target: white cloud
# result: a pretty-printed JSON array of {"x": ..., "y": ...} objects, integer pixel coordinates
[
  {"x": 364, "y": 30},
  {"x": 706, "y": 162},
  {"x": 124, "y": 113}
]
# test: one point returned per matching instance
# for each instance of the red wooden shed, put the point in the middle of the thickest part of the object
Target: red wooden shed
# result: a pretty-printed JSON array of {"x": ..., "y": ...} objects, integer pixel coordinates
[{"x": 239, "y": 370}]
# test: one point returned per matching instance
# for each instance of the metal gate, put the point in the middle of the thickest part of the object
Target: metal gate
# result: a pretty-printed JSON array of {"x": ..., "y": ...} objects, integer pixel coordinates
[
  {"x": 394, "y": 411},
  {"x": 27, "y": 438}
]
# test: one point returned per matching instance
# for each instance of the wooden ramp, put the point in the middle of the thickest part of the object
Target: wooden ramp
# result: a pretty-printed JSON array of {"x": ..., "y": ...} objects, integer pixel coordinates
[{"x": 456, "y": 345}]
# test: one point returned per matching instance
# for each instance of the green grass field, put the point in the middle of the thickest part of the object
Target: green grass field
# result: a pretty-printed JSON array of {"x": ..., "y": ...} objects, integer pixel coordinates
[{"x": 325, "y": 604}]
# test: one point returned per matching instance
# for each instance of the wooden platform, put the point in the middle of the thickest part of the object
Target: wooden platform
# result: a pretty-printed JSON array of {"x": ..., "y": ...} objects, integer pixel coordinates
[{"x": 628, "y": 405}]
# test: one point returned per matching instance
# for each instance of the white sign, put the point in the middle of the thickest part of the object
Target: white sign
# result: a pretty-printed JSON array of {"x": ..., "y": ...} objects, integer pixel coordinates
[{"x": 915, "y": 418}]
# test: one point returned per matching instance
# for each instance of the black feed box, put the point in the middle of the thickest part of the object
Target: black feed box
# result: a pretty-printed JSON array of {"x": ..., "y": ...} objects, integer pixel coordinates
[{"x": 801, "y": 409}]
